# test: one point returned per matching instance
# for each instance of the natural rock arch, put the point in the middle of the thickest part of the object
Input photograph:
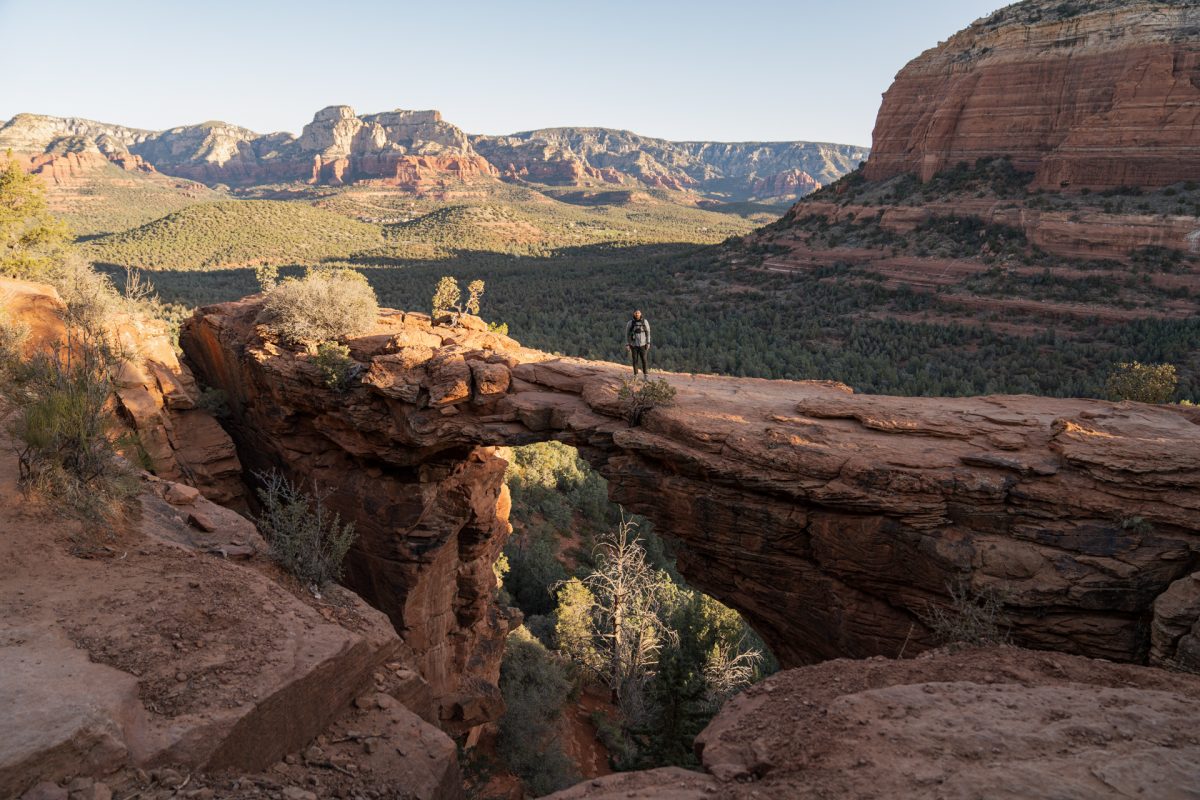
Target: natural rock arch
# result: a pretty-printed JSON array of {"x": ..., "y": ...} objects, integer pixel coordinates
[{"x": 830, "y": 520}]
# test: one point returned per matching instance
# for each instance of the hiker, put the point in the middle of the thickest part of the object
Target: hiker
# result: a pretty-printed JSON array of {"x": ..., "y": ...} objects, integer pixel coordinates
[{"x": 637, "y": 341}]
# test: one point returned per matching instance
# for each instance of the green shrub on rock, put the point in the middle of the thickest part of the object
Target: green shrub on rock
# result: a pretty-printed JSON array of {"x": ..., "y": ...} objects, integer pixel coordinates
[
  {"x": 305, "y": 538},
  {"x": 324, "y": 305},
  {"x": 638, "y": 398},
  {"x": 337, "y": 368},
  {"x": 62, "y": 421},
  {"x": 1142, "y": 383}
]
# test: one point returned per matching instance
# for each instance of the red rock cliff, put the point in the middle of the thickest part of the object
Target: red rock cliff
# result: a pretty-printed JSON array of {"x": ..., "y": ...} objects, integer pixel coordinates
[
  {"x": 832, "y": 521},
  {"x": 1106, "y": 94}
]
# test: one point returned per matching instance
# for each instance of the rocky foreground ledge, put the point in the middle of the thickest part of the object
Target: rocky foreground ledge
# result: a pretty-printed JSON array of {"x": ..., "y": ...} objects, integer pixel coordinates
[
  {"x": 833, "y": 521},
  {"x": 992, "y": 722}
]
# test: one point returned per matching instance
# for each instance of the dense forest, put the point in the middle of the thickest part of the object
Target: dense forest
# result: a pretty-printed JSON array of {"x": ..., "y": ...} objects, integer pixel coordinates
[{"x": 712, "y": 318}]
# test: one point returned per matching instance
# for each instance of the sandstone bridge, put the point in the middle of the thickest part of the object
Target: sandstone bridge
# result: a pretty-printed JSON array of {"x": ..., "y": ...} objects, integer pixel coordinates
[{"x": 832, "y": 521}]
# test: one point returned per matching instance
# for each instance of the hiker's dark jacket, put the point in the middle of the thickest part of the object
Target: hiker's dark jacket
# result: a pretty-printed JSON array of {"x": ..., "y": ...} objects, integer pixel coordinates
[{"x": 637, "y": 333}]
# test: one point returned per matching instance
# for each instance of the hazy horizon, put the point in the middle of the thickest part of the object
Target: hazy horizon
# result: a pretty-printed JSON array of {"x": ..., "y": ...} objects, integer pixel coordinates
[{"x": 773, "y": 72}]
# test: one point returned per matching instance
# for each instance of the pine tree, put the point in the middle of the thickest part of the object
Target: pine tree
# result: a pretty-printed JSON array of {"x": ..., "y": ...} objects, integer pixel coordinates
[{"x": 31, "y": 237}]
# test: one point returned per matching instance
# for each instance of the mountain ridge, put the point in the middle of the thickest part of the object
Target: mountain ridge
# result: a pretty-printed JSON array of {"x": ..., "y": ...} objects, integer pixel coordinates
[{"x": 418, "y": 151}]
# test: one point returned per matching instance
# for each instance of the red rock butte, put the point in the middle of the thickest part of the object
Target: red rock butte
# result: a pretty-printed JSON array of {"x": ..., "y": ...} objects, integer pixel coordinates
[
  {"x": 833, "y": 521},
  {"x": 1103, "y": 95}
]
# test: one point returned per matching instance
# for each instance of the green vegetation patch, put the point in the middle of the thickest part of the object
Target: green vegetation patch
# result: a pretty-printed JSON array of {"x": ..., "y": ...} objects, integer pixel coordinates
[
  {"x": 111, "y": 199},
  {"x": 236, "y": 233}
]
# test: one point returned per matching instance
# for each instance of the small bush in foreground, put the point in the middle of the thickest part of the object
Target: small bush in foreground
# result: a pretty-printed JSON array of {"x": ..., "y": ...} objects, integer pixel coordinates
[
  {"x": 62, "y": 419},
  {"x": 324, "y": 305},
  {"x": 12, "y": 342},
  {"x": 638, "y": 398},
  {"x": 305, "y": 539},
  {"x": 1142, "y": 383},
  {"x": 337, "y": 368}
]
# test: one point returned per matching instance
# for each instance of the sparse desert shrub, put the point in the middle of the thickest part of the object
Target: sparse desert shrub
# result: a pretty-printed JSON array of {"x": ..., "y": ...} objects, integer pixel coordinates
[
  {"x": 727, "y": 670},
  {"x": 337, "y": 368},
  {"x": 12, "y": 340},
  {"x": 638, "y": 398},
  {"x": 1142, "y": 383},
  {"x": 535, "y": 688},
  {"x": 305, "y": 538},
  {"x": 324, "y": 305},
  {"x": 89, "y": 296},
  {"x": 267, "y": 276},
  {"x": 974, "y": 617},
  {"x": 62, "y": 418}
]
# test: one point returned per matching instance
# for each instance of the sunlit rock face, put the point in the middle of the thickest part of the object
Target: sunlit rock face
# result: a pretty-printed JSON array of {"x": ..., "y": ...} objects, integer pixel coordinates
[
  {"x": 833, "y": 521},
  {"x": 1094, "y": 94},
  {"x": 410, "y": 150}
]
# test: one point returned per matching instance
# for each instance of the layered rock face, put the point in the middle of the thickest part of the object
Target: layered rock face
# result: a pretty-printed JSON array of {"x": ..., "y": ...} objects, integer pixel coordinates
[
  {"x": 834, "y": 522},
  {"x": 430, "y": 520},
  {"x": 742, "y": 170},
  {"x": 62, "y": 149},
  {"x": 1088, "y": 234},
  {"x": 1097, "y": 94},
  {"x": 419, "y": 151},
  {"x": 157, "y": 396},
  {"x": 413, "y": 150}
]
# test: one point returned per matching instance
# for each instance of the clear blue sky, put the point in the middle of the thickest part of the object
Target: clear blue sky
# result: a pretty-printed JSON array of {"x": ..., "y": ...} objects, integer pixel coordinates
[{"x": 727, "y": 71}]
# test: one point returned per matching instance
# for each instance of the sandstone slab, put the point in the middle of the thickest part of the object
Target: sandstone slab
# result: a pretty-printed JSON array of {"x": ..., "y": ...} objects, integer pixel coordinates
[{"x": 152, "y": 651}]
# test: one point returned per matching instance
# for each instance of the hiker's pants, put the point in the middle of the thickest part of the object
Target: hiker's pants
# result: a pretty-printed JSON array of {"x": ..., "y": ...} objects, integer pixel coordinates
[{"x": 639, "y": 355}]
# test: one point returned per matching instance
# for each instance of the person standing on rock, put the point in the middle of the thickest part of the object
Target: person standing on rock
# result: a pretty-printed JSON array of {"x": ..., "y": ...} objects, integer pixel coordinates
[{"x": 637, "y": 342}]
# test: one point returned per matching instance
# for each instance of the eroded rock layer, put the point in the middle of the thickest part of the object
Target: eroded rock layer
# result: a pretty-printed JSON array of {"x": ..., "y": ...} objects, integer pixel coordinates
[
  {"x": 1096, "y": 94},
  {"x": 834, "y": 522}
]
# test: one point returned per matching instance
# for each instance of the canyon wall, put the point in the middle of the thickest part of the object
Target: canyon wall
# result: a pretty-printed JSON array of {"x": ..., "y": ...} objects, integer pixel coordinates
[
  {"x": 1096, "y": 94},
  {"x": 833, "y": 521}
]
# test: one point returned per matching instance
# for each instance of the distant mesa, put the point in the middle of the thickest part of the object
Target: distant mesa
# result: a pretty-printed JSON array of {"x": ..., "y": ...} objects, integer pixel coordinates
[
  {"x": 1049, "y": 144},
  {"x": 420, "y": 152},
  {"x": 764, "y": 171},
  {"x": 1096, "y": 94}
]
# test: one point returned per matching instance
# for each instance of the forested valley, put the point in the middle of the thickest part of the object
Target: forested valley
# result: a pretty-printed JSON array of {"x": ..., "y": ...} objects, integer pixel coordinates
[{"x": 709, "y": 317}]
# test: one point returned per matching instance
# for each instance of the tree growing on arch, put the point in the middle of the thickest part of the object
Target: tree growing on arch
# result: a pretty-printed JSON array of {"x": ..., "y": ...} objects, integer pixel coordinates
[{"x": 447, "y": 299}]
